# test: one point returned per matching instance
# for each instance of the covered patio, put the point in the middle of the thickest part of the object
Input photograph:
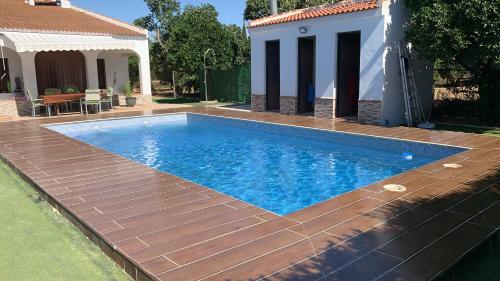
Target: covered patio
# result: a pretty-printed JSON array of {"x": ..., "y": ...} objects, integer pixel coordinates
[
  {"x": 58, "y": 48},
  {"x": 70, "y": 63}
]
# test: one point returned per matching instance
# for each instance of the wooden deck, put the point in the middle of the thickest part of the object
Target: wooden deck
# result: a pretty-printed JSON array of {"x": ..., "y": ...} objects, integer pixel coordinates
[{"x": 160, "y": 227}]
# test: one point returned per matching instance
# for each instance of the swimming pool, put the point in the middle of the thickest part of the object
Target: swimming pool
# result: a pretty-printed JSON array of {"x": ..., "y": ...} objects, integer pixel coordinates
[{"x": 279, "y": 168}]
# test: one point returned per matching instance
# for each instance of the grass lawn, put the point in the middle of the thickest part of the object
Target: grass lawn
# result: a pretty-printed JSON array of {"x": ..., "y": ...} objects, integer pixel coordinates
[
  {"x": 194, "y": 103},
  {"x": 36, "y": 243},
  {"x": 469, "y": 129},
  {"x": 177, "y": 101}
]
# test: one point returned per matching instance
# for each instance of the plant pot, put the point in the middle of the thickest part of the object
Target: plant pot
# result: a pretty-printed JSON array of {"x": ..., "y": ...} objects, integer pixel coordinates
[{"x": 131, "y": 101}]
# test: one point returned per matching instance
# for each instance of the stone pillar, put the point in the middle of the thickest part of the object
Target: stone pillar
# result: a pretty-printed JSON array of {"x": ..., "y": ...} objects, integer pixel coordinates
[
  {"x": 92, "y": 73},
  {"x": 29, "y": 72},
  {"x": 370, "y": 112},
  {"x": 288, "y": 105},
  {"x": 259, "y": 103},
  {"x": 325, "y": 108}
]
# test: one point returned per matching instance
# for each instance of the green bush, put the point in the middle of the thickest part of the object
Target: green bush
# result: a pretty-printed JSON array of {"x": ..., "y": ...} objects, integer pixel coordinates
[{"x": 127, "y": 89}]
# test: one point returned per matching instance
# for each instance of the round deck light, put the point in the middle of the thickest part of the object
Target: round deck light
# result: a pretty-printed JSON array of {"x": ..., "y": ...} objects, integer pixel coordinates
[{"x": 395, "y": 188}]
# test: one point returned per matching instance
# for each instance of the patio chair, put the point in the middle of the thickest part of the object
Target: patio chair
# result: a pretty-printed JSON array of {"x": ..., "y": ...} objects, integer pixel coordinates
[
  {"x": 71, "y": 90},
  {"x": 92, "y": 97},
  {"x": 36, "y": 103},
  {"x": 52, "y": 91},
  {"x": 108, "y": 98}
]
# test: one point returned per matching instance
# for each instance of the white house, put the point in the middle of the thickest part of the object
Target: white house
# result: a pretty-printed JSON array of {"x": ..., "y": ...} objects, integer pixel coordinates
[
  {"x": 335, "y": 60},
  {"x": 52, "y": 44}
]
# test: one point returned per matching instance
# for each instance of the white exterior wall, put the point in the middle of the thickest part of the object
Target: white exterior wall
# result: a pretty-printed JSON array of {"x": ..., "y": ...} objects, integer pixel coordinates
[
  {"x": 380, "y": 78},
  {"x": 393, "y": 108},
  {"x": 116, "y": 64},
  {"x": 326, "y": 29},
  {"x": 14, "y": 62}
]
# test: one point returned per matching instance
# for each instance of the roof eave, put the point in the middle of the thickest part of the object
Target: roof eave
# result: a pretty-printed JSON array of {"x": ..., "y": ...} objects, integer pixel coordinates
[{"x": 145, "y": 36}]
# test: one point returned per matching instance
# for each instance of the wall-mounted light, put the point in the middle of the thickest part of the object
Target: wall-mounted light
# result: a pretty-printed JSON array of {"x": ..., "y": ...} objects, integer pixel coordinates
[{"x": 303, "y": 29}]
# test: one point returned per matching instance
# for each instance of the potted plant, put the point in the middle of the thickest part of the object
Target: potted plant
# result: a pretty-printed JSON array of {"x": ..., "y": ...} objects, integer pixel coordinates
[{"x": 129, "y": 96}]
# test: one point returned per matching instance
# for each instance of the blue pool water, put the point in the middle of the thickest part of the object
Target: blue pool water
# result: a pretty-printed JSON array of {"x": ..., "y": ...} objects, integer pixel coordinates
[{"x": 282, "y": 169}]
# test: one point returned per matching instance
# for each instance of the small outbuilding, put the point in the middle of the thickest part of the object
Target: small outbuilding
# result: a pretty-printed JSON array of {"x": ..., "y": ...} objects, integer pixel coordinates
[{"x": 338, "y": 60}]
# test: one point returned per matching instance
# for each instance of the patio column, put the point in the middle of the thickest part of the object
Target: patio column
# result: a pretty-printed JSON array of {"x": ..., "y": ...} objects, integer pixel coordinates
[
  {"x": 29, "y": 72},
  {"x": 92, "y": 74},
  {"x": 144, "y": 68},
  {"x": 289, "y": 64},
  {"x": 326, "y": 51}
]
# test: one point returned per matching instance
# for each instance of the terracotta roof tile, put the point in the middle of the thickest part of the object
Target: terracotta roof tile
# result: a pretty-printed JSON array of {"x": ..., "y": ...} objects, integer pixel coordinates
[
  {"x": 343, "y": 7},
  {"x": 18, "y": 15}
]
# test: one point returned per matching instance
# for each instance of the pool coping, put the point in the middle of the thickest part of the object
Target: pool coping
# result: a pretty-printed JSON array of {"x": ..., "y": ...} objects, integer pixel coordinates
[
  {"x": 480, "y": 148},
  {"x": 263, "y": 122}
]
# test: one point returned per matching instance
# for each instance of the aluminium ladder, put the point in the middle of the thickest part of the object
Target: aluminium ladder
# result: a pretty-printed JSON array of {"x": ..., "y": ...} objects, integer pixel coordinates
[{"x": 414, "y": 111}]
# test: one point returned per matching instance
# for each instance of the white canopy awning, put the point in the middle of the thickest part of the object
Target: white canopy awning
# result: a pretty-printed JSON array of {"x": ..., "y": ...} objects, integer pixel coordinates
[{"x": 38, "y": 42}]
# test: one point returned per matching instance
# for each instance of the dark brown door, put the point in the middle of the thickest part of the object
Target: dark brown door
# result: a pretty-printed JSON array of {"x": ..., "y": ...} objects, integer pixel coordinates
[
  {"x": 273, "y": 75},
  {"x": 348, "y": 57},
  {"x": 306, "y": 91},
  {"x": 101, "y": 72},
  {"x": 4, "y": 77}
]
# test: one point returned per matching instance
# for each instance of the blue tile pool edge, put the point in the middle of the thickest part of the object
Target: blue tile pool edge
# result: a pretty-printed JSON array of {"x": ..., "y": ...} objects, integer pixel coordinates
[{"x": 364, "y": 140}]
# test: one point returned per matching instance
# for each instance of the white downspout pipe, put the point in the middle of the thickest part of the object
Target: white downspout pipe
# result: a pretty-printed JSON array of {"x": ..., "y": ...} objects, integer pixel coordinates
[{"x": 3, "y": 58}]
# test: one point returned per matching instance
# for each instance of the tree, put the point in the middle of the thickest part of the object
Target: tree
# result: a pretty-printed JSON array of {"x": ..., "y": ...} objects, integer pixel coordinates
[
  {"x": 240, "y": 44},
  {"x": 159, "y": 19},
  {"x": 183, "y": 36},
  {"x": 461, "y": 34},
  {"x": 133, "y": 70},
  {"x": 193, "y": 32},
  {"x": 256, "y": 9}
]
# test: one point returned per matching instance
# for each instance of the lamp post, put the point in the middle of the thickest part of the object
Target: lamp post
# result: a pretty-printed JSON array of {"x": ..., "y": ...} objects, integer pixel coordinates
[{"x": 205, "y": 67}]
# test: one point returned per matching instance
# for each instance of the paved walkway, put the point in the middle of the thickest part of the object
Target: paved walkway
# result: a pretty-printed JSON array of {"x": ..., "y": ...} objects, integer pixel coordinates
[{"x": 157, "y": 226}]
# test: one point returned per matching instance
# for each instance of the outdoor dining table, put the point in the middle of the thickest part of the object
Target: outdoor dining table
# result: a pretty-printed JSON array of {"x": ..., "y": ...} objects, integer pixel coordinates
[{"x": 61, "y": 99}]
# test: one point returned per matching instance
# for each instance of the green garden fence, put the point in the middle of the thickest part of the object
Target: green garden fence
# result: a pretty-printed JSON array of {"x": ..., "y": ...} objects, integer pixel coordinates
[{"x": 231, "y": 85}]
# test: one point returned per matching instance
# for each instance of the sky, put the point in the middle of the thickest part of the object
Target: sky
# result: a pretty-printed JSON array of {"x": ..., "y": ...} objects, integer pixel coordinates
[{"x": 230, "y": 11}]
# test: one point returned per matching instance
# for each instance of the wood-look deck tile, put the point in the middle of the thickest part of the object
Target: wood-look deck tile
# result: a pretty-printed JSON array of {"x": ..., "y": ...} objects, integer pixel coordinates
[
  {"x": 423, "y": 235},
  {"x": 489, "y": 217},
  {"x": 365, "y": 269},
  {"x": 431, "y": 261},
  {"x": 156, "y": 197},
  {"x": 229, "y": 241},
  {"x": 178, "y": 230},
  {"x": 157, "y": 224},
  {"x": 99, "y": 195},
  {"x": 328, "y": 206},
  {"x": 341, "y": 215},
  {"x": 177, "y": 203},
  {"x": 136, "y": 195},
  {"x": 158, "y": 265},
  {"x": 231, "y": 257},
  {"x": 186, "y": 241},
  {"x": 93, "y": 191},
  {"x": 138, "y": 219},
  {"x": 200, "y": 225},
  {"x": 292, "y": 262}
]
